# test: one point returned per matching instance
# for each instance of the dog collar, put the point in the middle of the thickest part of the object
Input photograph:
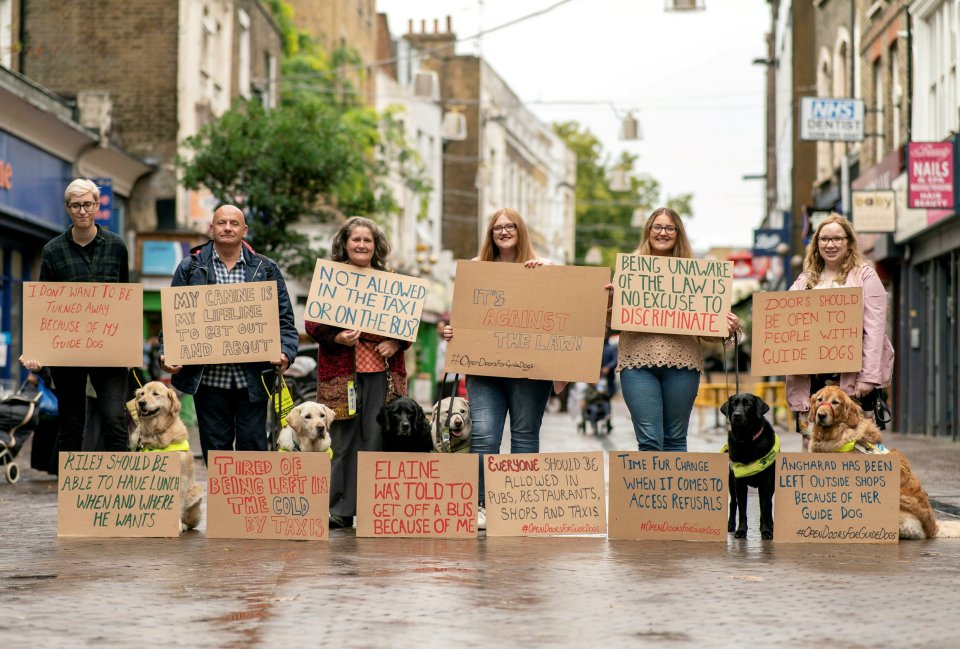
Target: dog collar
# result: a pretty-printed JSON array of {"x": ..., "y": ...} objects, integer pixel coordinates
[
  {"x": 183, "y": 445},
  {"x": 296, "y": 448},
  {"x": 745, "y": 470}
]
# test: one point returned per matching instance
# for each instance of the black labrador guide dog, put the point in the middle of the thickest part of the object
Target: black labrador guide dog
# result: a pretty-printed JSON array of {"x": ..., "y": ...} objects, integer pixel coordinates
[
  {"x": 404, "y": 427},
  {"x": 753, "y": 447}
]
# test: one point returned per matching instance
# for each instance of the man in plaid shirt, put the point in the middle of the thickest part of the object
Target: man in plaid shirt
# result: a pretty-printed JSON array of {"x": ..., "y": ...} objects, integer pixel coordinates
[
  {"x": 86, "y": 253},
  {"x": 230, "y": 398}
]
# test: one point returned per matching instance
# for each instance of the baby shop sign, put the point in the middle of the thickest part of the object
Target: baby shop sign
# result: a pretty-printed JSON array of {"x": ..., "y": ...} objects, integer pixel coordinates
[{"x": 370, "y": 300}]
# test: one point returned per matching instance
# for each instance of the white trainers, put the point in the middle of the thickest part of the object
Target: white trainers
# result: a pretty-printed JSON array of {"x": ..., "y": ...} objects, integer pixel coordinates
[{"x": 481, "y": 518}]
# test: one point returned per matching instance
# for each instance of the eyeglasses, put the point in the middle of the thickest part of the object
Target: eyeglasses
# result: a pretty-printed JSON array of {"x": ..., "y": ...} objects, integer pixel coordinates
[
  {"x": 826, "y": 241},
  {"x": 669, "y": 229},
  {"x": 506, "y": 227},
  {"x": 86, "y": 207}
]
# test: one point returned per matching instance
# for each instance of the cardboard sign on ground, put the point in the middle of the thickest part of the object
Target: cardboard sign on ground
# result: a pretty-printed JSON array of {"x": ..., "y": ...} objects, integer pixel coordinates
[
  {"x": 83, "y": 324},
  {"x": 221, "y": 323},
  {"x": 807, "y": 332},
  {"x": 252, "y": 495},
  {"x": 671, "y": 295},
  {"x": 118, "y": 494},
  {"x": 535, "y": 323},
  {"x": 545, "y": 494},
  {"x": 668, "y": 496},
  {"x": 373, "y": 301},
  {"x": 837, "y": 498},
  {"x": 417, "y": 495}
]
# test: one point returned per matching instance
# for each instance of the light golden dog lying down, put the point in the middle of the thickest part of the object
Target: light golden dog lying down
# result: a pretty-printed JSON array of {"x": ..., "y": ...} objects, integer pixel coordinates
[
  {"x": 160, "y": 429},
  {"x": 307, "y": 429},
  {"x": 838, "y": 426}
]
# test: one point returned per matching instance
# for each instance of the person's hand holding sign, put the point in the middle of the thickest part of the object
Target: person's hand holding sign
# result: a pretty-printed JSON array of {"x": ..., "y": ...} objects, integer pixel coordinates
[{"x": 348, "y": 338}]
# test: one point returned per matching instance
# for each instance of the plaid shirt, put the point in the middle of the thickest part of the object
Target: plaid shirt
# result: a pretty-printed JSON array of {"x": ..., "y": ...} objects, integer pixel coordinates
[
  {"x": 102, "y": 260},
  {"x": 230, "y": 375}
]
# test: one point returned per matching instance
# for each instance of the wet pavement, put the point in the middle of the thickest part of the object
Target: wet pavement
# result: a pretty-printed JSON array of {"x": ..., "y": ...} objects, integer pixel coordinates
[{"x": 507, "y": 592}]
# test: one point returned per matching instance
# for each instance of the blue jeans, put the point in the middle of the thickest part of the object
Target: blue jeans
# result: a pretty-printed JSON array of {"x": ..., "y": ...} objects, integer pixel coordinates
[
  {"x": 227, "y": 415},
  {"x": 660, "y": 400},
  {"x": 491, "y": 398}
]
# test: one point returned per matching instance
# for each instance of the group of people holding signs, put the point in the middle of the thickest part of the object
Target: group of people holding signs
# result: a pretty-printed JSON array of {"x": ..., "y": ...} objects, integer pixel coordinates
[{"x": 520, "y": 326}]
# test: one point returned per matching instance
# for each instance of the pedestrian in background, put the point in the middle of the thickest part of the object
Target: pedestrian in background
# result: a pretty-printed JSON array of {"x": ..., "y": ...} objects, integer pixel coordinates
[
  {"x": 660, "y": 373},
  {"x": 833, "y": 260},
  {"x": 86, "y": 252},
  {"x": 492, "y": 398},
  {"x": 230, "y": 398},
  {"x": 357, "y": 373}
]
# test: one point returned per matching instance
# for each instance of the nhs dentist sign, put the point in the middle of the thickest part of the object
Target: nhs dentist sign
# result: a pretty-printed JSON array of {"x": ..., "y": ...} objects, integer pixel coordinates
[{"x": 835, "y": 120}]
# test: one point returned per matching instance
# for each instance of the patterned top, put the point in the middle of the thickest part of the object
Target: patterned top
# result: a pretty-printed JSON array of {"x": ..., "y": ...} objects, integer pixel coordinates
[
  {"x": 369, "y": 360},
  {"x": 643, "y": 349},
  {"x": 227, "y": 375},
  {"x": 102, "y": 260}
]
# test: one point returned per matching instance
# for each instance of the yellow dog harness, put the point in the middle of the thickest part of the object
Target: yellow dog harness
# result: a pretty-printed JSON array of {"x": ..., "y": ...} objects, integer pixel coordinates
[
  {"x": 183, "y": 445},
  {"x": 297, "y": 449},
  {"x": 863, "y": 447},
  {"x": 742, "y": 470}
]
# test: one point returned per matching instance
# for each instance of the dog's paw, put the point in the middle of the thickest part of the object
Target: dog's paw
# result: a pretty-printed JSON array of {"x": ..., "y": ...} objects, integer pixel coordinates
[
  {"x": 766, "y": 536},
  {"x": 740, "y": 534}
]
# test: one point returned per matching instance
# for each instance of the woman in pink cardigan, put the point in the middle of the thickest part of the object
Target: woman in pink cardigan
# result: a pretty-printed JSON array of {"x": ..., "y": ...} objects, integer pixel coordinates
[{"x": 834, "y": 261}]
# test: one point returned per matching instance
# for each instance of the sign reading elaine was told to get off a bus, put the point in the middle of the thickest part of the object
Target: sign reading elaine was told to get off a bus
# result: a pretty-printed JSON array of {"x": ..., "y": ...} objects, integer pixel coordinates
[
  {"x": 671, "y": 295},
  {"x": 221, "y": 323},
  {"x": 535, "y": 323},
  {"x": 373, "y": 301},
  {"x": 807, "y": 332},
  {"x": 83, "y": 324}
]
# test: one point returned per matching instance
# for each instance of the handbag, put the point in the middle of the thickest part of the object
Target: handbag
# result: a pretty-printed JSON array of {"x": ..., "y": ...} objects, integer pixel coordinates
[{"x": 48, "y": 404}]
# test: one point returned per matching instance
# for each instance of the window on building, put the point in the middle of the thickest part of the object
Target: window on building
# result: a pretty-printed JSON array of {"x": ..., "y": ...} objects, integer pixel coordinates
[
  {"x": 6, "y": 33},
  {"x": 879, "y": 106},
  {"x": 243, "y": 63},
  {"x": 896, "y": 98},
  {"x": 942, "y": 88}
]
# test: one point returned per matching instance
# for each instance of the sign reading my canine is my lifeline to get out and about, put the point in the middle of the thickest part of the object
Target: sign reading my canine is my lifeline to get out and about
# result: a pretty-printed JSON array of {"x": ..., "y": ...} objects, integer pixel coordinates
[
  {"x": 671, "y": 295},
  {"x": 373, "y": 301}
]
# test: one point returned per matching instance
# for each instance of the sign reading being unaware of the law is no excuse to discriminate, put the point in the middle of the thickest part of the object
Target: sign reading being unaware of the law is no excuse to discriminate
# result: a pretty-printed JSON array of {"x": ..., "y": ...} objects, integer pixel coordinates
[
  {"x": 671, "y": 295},
  {"x": 83, "y": 324},
  {"x": 118, "y": 494},
  {"x": 221, "y": 323},
  {"x": 373, "y": 301},
  {"x": 538, "y": 323},
  {"x": 545, "y": 494},
  {"x": 807, "y": 332},
  {"x": 254, "y": 495},
  {"x": 837, "y": 498},
  {"x": 668, "y": 496}
]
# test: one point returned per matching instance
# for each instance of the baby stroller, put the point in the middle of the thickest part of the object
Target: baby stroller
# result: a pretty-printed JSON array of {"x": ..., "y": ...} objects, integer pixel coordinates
[
  {"x": 19, "y": 414},
  {"x": 595, "y": 409}
]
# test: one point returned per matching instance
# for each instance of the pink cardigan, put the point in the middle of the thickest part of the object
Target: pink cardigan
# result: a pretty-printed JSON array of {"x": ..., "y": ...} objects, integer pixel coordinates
[{"x": 877, "y": 351}]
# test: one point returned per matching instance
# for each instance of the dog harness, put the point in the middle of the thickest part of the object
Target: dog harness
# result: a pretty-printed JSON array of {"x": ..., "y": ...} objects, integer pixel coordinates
[
  {"x": 863, "y": 447},
  {"x": 296, "y": 449},
  {"x": 183, "y": 445},
  {"x": 742, "y": 470}
]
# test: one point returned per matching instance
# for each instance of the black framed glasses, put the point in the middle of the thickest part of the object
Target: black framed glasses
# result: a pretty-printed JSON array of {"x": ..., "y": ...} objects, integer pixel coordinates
[
  {"x": 824, "y": 241},
  {"x": 656, "y": 228},
  {"x": 506, "y": 227},
  {"x": 86, "y": 207}
]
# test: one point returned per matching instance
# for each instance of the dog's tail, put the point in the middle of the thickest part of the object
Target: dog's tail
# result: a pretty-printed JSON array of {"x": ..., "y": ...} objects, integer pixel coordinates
[{"x": 948, "y": 529}]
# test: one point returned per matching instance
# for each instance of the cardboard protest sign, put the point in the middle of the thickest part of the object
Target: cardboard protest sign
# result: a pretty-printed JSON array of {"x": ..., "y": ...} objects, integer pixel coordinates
[
  {"x": 373, "y": 301},
  {"x": 221, "y": 323},
  {"x": 417, "y": 495},
  {"x": 807, "y": 332},
  {"x": 545, "y": 494},
  {"x": 837, "y": 498},
  {"x": 668, "y": 496},
  {"x": 671, "y": 295},
  {"x": 536, "y": 323},
  {"x": 118, "y": 494},
  {"x": 253, "y": 495},
  {"x": 72, "y": 324}
]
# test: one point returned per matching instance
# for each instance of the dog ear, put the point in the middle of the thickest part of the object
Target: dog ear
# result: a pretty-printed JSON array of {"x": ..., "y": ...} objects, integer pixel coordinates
[
  {"x": 382, "y": 419},
  {"x": 330, "y": 413},
  {"x": 724, "y": 408},
  {"x": 174, "y": 401},
  {"x": 762, "y": 406},
  {"x": 422, "y": 423},
  {"x": 852, "y": 412},
  {"x": 293, "y": 418}
]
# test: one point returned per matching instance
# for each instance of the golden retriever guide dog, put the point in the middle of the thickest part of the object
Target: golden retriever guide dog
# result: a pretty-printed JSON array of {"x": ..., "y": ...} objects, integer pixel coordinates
[
  {"x": 307, "y": 429},
  {"x": 838, "y": 426},
  {"x": 159, "y": 429}
]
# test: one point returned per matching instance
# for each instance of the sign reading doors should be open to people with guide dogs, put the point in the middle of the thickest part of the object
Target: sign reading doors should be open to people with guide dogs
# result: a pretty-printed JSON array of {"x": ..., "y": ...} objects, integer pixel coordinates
[
  {"x": 254, "y": 495},
  {"x": 807, "y": 332},
  {"x": 536, "y": 323},
  {"x": 668, "y": 496},
  {"x": 545, "y": 494},
  {"x": 83, "y": 324},
  {"x": 118, "y": 494},
  {"x": 671, "y": 295},
  {"x": 373, "y": 301},
  {"x": 221, "y": 323}
]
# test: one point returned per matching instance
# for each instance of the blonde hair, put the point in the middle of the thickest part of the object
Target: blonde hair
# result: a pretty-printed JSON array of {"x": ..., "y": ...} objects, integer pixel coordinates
[
  {"x": 813, "y": 263},
  {"x": 681, "y": 247},
  {"x": 79, "y": 187},
  {"x": 489, "y": 250}
]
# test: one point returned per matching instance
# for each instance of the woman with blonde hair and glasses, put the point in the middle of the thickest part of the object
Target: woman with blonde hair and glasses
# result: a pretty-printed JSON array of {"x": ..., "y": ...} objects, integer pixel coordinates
[
  {"x": 833, "y": 260},
  {"x": 493, "y": 397}
]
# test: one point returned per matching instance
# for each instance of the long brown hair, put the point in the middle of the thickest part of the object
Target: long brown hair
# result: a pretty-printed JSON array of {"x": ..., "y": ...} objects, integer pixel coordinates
[
  {"x": 813, "y": 263},
  {"x": 489, "y": 250},
  {"x": 681, "y": 246},
  {"x": 381, "y": 247}
]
